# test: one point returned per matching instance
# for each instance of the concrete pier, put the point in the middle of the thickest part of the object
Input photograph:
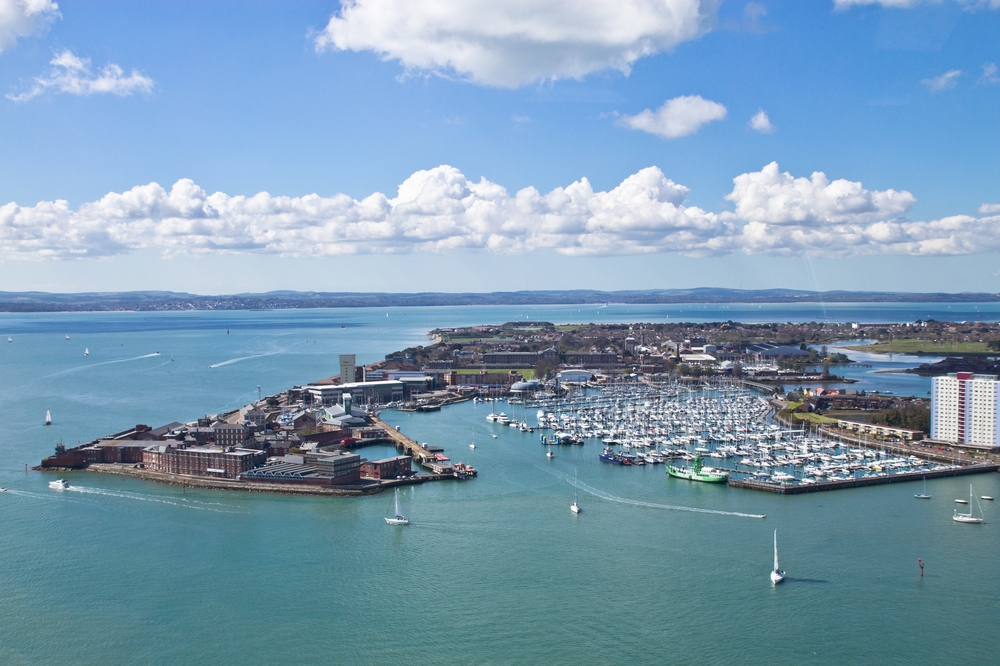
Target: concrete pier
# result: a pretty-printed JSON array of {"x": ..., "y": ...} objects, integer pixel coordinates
[{"x": 819, "y": 486}]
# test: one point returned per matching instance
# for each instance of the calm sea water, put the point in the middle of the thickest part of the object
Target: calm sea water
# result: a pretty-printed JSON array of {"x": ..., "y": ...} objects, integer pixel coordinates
[{"x": 496, "y": 570}]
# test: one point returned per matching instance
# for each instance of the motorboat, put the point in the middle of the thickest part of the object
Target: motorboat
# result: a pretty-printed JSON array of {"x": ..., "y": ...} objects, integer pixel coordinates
[
  {"x": 777, "y": 575},
  {"x": 988, "y": 498},
  {"x": 575, "y": 506},
  {"x": 398, "y": 518},
  {"x": 60, "y": 484},
  {"x": 549, "y": 454}
]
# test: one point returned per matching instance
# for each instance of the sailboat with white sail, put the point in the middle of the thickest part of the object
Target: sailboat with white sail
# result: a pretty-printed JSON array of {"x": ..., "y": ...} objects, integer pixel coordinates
[
  {"x": 575, "y": 506},
  {"x": 777, "y": 575},
  {"x": 398, "y": 518},
  {"x": 968, "y": 517}
]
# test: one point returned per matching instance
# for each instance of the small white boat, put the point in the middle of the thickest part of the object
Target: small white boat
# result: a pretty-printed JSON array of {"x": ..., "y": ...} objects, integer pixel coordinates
[
  {"x": 961, "y": 501},
  {"x": 924, "y": 494},
  {"x": 777, "y": 575},
  {"x": 86, "y": 351},
  {"x": 10, "y": 339},
  {"x": 472, "y": 445},
  {"x": 67, "y": 336},
  {"x": 575, "y": 506},
  {"x": 494, "y": 436},
  {"x": 48, "y": 418},
  {"x": 988, "y": 498},
  {"x": 398, "y": 518},
  {"x": 549, "y": 454},
  {"x": 60, "y": 484},
  {"x": 968, "y": 517},
  {"x": 3, "y": 490}
]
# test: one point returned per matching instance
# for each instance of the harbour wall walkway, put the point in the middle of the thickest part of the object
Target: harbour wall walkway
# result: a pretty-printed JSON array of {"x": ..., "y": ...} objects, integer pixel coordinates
[{"x": 980, "y": 468}]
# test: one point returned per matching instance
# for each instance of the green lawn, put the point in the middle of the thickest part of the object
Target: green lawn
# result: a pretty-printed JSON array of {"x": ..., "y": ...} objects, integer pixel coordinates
[
  {"x": 815, "y": 418},
  {"x": 907, "y": 346}
]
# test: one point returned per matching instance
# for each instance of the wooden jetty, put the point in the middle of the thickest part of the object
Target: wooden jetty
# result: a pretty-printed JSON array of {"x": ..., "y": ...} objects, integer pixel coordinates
[{"x": 819, "y": 486}]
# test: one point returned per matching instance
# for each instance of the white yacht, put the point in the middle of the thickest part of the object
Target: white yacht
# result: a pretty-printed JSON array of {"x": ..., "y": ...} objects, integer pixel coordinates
[
  {"x": 575, "y": 506},
  {"x": 924, "y": 494},
  {"x": 549, "y": 454},
  {"x": 777, "y": 575},
  {"x": 398, "y": 518},
  {"x": 61, "y": 484},
  {"x": 968, "y": 517}
]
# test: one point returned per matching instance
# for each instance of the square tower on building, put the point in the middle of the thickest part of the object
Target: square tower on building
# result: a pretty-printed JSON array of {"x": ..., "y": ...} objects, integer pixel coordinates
[{"x": 347, "y": 368}]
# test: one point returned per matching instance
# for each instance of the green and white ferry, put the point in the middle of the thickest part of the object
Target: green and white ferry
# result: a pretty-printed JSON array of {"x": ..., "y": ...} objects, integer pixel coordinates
[{"x": 698, "y": 472}]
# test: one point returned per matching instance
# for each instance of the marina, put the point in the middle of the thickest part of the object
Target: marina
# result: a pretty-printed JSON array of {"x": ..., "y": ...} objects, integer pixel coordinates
[{"x": 731, "y": 426}]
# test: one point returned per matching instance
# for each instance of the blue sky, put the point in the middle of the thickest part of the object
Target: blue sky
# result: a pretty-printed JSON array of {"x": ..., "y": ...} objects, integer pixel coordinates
[{"x": 394, "y": 141}]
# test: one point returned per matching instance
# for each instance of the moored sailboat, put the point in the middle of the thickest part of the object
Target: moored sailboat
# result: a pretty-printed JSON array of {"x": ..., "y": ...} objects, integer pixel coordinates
[
  {"x": 924, "y": 494},
  {"x": 968, "y": 517}
]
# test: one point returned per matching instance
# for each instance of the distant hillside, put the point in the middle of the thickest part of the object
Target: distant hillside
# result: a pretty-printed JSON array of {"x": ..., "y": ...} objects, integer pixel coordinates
[{"x": 275, "y": 300}]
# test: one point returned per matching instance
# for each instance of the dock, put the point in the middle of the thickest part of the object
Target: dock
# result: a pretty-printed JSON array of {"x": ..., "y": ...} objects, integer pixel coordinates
[
  {"x": 421, "y": 455},
  {"x": 771, "y": 487}
]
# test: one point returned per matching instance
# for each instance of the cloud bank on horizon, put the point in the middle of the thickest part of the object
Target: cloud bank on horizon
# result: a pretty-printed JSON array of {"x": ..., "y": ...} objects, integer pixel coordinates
[{"x": 440, "y": 209}]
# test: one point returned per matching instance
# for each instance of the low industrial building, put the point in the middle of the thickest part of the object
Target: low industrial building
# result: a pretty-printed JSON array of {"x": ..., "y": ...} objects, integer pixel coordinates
[{"x": 363, "y": 392}]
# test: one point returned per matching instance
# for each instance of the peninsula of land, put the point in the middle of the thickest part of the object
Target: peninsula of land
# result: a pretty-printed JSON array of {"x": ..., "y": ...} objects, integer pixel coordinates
[{"x": 35, "y": 301}]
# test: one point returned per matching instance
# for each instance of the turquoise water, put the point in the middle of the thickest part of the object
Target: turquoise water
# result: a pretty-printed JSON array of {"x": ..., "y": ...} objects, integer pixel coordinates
[{"x": 495, "y": 570}]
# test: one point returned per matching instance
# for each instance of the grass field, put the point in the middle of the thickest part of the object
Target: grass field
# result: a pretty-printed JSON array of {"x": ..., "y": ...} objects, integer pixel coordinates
[
  {"x": 906, "y": 346},
  {"x": 814, "y": 418}
]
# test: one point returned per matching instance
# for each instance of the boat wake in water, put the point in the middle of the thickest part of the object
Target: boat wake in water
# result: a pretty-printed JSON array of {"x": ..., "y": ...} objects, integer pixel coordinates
[
  {"x": 653, "y": 505},
  {"x": 185, "y": 503},
  {"x": 243, "y": 358},
  {"x": 94, "y": 365}
]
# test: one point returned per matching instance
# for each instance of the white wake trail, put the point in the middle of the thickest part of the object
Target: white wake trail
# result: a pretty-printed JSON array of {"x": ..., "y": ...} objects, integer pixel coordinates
[
  {"x": 143, "y": 498},
  {"x": 652, "y": 505},
  {"x": 243, "y": 358},
  {"x": 614, "y": 498}
]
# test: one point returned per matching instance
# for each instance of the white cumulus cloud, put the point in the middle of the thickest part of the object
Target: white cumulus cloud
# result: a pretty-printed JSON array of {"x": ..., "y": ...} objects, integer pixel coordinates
[
  {"x": 761, "y": 123},
  {"x": 938, "y": 83},
  {"x": 74, "y": 75},
  {"x": 989, "y": 76},
  {"x": 511, "y": 43},
  {"x": 909, "y": 4},
  {"x": 772, "y": 197},
  {"x": 440, "y": 210},
  {"x": 677, "y": 117},
  {"x": 989, "y": 208},
  {"x": 20, "y": 18}
]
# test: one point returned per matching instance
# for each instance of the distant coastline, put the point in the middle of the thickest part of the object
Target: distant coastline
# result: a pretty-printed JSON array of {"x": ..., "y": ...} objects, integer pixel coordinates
[{"x": 149, "y": 301}]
